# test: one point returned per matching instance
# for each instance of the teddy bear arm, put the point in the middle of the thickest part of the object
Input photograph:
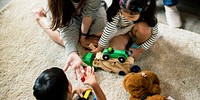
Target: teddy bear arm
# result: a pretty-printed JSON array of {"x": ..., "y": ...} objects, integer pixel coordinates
[
  {"x": 132, "y": 98},
  {"x": 156, "y": 89},
  {"x": 156, "y": 97}
]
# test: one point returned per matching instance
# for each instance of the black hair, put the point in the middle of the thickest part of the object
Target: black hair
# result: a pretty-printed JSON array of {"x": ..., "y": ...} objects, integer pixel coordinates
[
  {"x": 52, "y": 84},
  {"x": 147, "y": 9},
  {"x": 112, "y": 10}
]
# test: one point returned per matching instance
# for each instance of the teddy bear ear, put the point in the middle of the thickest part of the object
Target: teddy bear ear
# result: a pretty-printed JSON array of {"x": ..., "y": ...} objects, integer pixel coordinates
[
  {"x": 144, "y": 74},
  {"x": 135, "y": 69}
]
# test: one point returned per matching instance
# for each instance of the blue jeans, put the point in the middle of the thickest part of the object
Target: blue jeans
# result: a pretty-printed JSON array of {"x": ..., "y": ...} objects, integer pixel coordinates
[{"x": 170, "y": 2}]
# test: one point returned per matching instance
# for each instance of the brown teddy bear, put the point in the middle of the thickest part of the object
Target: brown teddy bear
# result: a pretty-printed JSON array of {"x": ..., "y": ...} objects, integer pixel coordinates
[{"x": 143, "y": 85}]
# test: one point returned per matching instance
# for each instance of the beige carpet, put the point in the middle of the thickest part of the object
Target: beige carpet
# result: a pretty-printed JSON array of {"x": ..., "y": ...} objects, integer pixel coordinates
[{"x": 26, "y": 50}]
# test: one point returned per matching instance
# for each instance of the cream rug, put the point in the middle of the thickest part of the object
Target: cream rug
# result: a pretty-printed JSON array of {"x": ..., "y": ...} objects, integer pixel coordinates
[{"x": 26, "y": 51}]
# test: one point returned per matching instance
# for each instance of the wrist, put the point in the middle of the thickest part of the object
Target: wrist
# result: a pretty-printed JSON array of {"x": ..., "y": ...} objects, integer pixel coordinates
[
  {"x": 84, "y": 35},
  {"x": 100, "y": 48},
  {"x": 94, "y": 84},
  {"x": 73, "y": 53}
]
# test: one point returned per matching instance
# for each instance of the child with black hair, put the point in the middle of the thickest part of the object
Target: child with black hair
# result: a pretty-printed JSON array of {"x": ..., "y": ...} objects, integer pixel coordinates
[
  {"x": 52, "y": 84},
  {"x": 135, "y": 17}
]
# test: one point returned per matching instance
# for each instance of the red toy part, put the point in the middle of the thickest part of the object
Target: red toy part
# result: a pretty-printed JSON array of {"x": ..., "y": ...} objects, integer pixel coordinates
[{"x": 83, "y": 77}]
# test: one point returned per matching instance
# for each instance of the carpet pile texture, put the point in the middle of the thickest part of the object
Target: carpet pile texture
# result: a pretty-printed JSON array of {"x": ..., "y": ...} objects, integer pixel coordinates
[{"x": 26, "y": 50}]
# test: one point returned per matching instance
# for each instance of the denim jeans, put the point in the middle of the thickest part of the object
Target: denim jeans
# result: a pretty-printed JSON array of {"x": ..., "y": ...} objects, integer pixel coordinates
[{"x": 170, "y": 2}]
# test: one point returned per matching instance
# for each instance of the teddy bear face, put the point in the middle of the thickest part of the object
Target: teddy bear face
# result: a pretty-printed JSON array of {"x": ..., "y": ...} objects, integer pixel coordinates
[{"x": 138, "y": 84}]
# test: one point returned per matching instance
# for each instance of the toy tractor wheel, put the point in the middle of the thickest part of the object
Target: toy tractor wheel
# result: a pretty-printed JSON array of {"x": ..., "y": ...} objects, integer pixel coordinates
[
  {"x": 121, "y": 59},
  {"x": 122, "y": 73},
  {"x": 106, "y": 57}
]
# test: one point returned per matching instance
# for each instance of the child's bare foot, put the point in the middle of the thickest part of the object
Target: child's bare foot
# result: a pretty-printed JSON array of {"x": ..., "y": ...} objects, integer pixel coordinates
[{"x": 86, "y": 42}]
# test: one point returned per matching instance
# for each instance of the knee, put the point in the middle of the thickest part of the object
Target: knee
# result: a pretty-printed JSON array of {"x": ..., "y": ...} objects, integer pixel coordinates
[{"x": 143, "y": 29}]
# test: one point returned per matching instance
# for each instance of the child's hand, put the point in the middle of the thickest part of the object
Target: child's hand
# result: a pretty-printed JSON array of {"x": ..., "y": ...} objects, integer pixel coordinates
[
  {"x": 39, "y": 12},
  {"x": 90, "y": 78},
  {"x": 99, "y": 48},
  {"x": 79, "y": 91}
]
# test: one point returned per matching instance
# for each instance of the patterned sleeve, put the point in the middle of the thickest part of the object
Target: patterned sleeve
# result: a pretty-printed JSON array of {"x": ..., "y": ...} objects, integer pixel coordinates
[
  {"x": 147, "y": 44},
  {"x": 108, "y": 31},
  {"x": 91, "y": 7}
]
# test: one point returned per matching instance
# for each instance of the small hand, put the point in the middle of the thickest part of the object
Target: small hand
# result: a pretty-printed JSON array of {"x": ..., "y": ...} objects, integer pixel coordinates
[
  {"x": 99, "y": 48},
  {"x": 39, "y": 12},
  {"x": 76, "y": 63},
  {"x": 90, "y": 78}
]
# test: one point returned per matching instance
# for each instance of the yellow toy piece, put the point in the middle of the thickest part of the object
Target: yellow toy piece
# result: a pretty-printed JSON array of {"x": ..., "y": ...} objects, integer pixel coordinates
[{"x": 87, "y": 94}]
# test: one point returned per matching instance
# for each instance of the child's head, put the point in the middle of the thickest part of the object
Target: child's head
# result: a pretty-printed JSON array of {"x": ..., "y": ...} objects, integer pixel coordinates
[
  {"x": 146, "y": 10},
  {"x": 52, "y": 84},
  {"x": 63, "y": 11},
  {"x": 136, "y": 6}
]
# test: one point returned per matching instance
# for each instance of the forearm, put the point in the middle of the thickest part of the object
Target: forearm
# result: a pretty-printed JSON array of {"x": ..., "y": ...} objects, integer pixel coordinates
[
  {"x": 43, "y": 22},
  {"x": 98, "y": 91},
  {"x": 70, "y": 38},
  {"x": 86, "y": 23},
  {"x": 108, "y": 32}
]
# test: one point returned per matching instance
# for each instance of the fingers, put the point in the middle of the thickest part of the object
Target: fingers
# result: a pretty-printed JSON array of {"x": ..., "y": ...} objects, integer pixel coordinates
[
  {"x": 80, "y": 94},
  {"x": 79, "y": 71},
  {"x": 75, "y": 74},
  {"x": 88, "y": 70},
  {"x": 84, "y": 64},
  {"x": 66, "y": 67},
  {"x": 92, "y": 72},
  {"x": 94, "y": 50}
]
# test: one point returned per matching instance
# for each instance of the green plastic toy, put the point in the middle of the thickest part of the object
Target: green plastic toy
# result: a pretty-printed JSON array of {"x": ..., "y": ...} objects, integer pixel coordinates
[{"x": 121, "y": 55}]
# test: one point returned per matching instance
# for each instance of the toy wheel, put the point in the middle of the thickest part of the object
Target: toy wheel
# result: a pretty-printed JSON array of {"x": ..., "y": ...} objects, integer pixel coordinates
[
  {"x": 122, "y": 73},
  {"x": 106, "y": 57},
  {"x": 135, "y": 69},
  {"x": 121, "y": 59},
  {"x": 110, "y": 50}
]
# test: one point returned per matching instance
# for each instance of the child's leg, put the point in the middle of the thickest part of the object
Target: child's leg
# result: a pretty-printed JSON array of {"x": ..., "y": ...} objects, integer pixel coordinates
[
  {"x": 142, "y": 32},
  {"x": 42, "y": 20},
  {"x": 120, "y": 42}
]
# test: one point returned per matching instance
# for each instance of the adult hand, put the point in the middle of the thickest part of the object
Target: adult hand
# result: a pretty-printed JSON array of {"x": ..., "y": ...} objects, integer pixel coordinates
[
  {"x": 136, "y": 52},
  {"x": 76, "y": 63}
]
